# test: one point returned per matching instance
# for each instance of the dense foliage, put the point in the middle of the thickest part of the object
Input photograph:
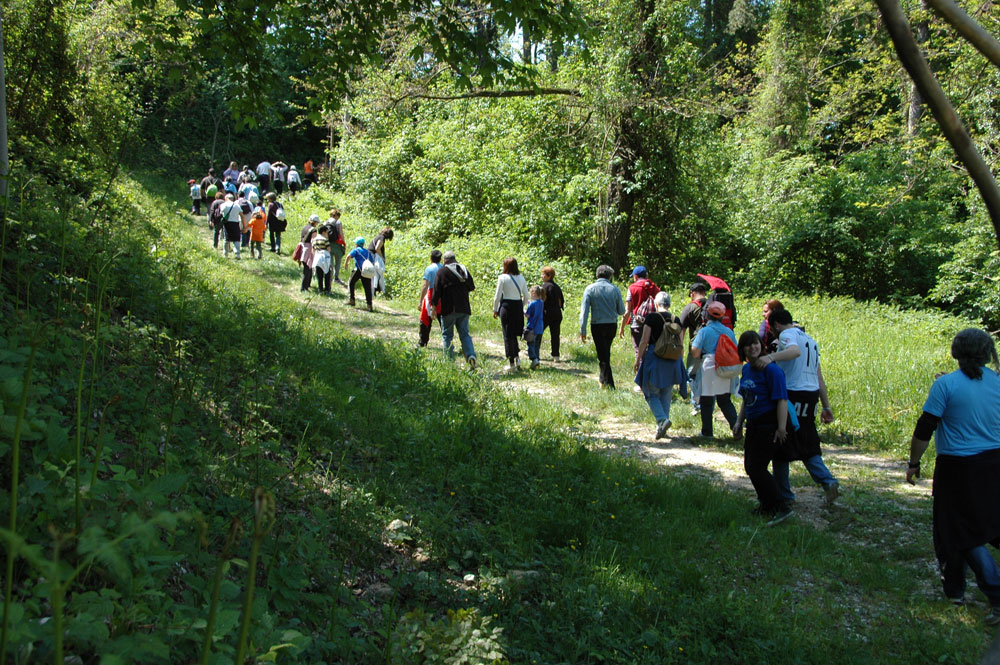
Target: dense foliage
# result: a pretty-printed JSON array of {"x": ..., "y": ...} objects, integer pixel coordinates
[{"x": 786, "y": 156}]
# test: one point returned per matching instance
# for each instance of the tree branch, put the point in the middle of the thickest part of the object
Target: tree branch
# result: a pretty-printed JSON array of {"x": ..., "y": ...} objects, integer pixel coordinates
[
  {"x": 492, "y": 94},
  {"x": 951, "y": 125},
  {"x": 966, "y": 26}
]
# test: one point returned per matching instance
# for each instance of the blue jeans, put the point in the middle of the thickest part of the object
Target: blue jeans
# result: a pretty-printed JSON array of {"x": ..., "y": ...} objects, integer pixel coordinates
[
  {"x": 533, "y": 347},
  {"x": 658, "y": 400},
  {"x": 814, "y": 465},
  {"x": 451, "y": 322},
  {"x": 983, "y": 565}
]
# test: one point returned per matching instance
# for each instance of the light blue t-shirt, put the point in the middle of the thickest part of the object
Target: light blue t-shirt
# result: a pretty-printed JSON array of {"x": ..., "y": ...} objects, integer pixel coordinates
[
  {"x": 708, "y": 336},
  {"x": 968, "y": 408},
  {"x": 430, "y": 272}
]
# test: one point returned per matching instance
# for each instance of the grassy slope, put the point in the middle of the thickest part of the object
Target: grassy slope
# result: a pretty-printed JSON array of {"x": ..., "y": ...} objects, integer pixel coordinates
[{"x": 226, "y": 383}]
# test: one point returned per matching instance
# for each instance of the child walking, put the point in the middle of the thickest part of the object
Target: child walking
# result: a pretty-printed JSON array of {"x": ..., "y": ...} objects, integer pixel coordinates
[
  {"x": 360, "y": 255},
  {"x": 195, "y": 197},
  {"x": 321, "y": 259},
  {"x": 536, "y": 323},
  {"x": 258, "y": 223}
]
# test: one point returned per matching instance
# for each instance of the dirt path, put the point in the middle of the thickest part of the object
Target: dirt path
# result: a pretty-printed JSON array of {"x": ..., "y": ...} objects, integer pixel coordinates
[{"x": 866, "y": 480}]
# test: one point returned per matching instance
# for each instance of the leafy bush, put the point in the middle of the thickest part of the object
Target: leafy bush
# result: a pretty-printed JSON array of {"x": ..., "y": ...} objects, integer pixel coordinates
[{"x": 462, "y": 636}]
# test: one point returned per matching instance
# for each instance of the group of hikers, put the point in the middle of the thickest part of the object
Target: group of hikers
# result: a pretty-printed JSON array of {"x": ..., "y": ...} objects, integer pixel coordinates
[{"x": 775, "y": 369}]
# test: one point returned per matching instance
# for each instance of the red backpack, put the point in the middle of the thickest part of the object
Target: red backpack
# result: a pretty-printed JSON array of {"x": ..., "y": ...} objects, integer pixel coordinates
[{"x": 727, "y": 358}]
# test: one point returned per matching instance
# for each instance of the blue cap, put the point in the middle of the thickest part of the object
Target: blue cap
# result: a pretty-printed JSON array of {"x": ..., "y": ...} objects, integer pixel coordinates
[
  {"x": 639, "y": 271},
  {"x": 360, "y": 242}
]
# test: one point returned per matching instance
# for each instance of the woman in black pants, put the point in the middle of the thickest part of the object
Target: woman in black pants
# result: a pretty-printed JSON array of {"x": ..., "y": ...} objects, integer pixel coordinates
[
  {"x": 509, "y": 303},
  {"x": 360, "y": 255},
  {"x": 305, "y": 242}
]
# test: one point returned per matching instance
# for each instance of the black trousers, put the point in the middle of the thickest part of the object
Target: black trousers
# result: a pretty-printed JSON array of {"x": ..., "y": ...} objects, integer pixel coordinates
[
  {"x": 425, "y": 331},
  {"x": 365, "y": 282},
  {"x": 707, "y": 403},
  {"x": 512, "y": 325},
  {"x": 758, "y": 451},
  {"x": 604, "y": 336},
  {"x": 323, "y": 280},
  {"x": 554, "y": 334},
  {"x": 307, "y": 276}
]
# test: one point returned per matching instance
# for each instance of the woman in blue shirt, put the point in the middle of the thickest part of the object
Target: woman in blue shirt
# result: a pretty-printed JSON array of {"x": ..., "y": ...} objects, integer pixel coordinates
[
  {"x": 962, "y": 408},
  {"x": 765, "y": 411}
]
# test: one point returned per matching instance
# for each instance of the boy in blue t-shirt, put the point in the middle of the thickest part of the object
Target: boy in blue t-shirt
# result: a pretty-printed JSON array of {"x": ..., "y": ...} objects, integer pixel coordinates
[
  {"x": 536, "y": 323},
  {"x": 360, "y": 255}
]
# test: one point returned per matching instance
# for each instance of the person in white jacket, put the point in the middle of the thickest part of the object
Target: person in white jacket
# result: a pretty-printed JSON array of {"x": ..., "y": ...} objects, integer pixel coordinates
[{"x": 509, "y": 303}]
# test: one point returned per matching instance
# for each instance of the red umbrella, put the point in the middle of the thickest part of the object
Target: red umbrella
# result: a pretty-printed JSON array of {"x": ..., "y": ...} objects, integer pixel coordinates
[{"x": 714, "y": 282}]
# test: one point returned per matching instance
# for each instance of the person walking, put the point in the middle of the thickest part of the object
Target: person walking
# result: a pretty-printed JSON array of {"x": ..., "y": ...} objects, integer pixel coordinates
[
  {"x": 657, "y": 376},
  {"x": 713, "y": 387},
  {"x": 277, "y": 222},
  {"x": 535, "y": 314},
  {"x": 639, "y": 291},
  {"x": 360, "y": 255},
  {"x": 798, "y": 357},
  {"x": 602, "y": 303},
  {"x": 377, "y": 247},
  {"x": 338, "y": 244},
  {"x": 961, "y": 414},
  {"x": 554, "y": 304},
  {"x": 692, "y": 322},
  {"x": 452, "y": 285},
  {"x": 428, "y": 312},
  {"x": 278, "y": 170},
  {"x": 264, "y": 176},
  {"x": 765, "y": 412},
  {"x": 509, "y": 302},
  {"x": 233, "y": 222},
  {"x": 305, "y": 251}
]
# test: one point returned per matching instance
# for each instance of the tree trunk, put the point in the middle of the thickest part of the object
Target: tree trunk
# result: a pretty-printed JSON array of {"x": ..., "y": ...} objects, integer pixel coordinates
[
  {"x": 916, "y": 110},
  {"x": 622, "y": 193},
  {"x": 967, "y": 152},
  {"x": 4, "y": 158}
]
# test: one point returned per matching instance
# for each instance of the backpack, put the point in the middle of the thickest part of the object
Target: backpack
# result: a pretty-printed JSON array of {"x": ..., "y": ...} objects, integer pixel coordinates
[
  {"x": 211, "y": 191},
  {"x": 726, "y": 298},
  {"x": 727, "y": 359},
  {"x": 279, "y": 214},
  {"x": 670, "y": 344},
  {"x": 196, "y": 191},
  {"x": 642, "y": 311}
]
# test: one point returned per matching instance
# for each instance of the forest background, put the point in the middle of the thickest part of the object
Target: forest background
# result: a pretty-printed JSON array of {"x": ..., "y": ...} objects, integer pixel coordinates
[{"x": 778, "y": 144}]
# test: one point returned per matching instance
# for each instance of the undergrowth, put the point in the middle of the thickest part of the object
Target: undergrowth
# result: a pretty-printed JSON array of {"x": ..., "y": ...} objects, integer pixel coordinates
[{"x": 208, "y": 468}]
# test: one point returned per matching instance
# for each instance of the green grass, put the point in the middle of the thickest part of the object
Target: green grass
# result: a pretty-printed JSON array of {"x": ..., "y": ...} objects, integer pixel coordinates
[{"x": 209, "y": 382}]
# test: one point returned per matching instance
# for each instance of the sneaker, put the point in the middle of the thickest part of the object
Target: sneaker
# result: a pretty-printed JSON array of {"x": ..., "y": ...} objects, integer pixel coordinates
[
  {"x": 993, "y": 618},
  {"x": 780, "y": 516},
  {"x": 832, "y": 491},
  {"x": 472, "y": 362},
  {"x": 958, "y": 601},
  {"x": 535, "y": 364},
  {"x": 517, "y": 364},
  {"x": 661, "y": 429},
  {"x": 350, "y": 302}
]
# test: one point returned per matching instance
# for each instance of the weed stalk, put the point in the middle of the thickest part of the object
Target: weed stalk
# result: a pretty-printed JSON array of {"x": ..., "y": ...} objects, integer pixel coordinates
[
  {"x": 235, "y": 529},
  {"x": 264, "y": 514},
  {"x": 15, "y": 471}
]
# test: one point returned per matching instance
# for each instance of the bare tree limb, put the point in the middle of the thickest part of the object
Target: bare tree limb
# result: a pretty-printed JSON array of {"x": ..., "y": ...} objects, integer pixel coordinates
[
  {"x": 966, "y": 26},
  {"x": 951, "y": 125},
  {"x": 492, "y": 94}
]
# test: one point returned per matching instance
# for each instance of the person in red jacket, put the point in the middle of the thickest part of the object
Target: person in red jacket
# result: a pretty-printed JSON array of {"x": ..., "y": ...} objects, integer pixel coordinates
[{"x": 641, "y": 289}]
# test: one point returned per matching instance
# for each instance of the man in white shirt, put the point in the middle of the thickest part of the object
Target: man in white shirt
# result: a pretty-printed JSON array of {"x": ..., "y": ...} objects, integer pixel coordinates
[
  {"x": 264, "y": 176},
  {"x": 798, "y": 357}
]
